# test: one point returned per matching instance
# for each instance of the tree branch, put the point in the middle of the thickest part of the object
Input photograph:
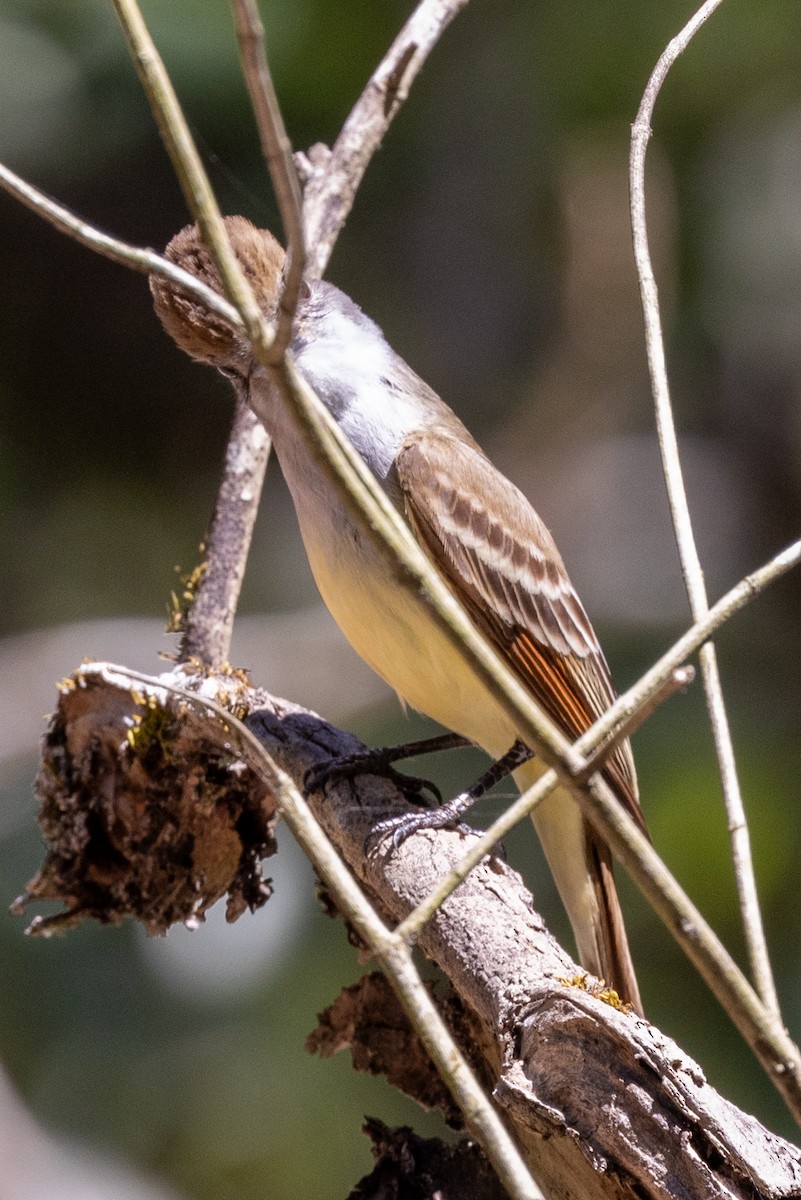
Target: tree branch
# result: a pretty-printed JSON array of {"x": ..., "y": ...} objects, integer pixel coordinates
[
  {"x": 138, "y": 725},
  {"x": 643, "y": 1122},
  {"x": 147, "y": 262},
  {"x": 189, "y": 170},
  {"x": 682, "y": 523},
  {"x": 331, "y": 187},
  {"x": 209, "y": 620}
]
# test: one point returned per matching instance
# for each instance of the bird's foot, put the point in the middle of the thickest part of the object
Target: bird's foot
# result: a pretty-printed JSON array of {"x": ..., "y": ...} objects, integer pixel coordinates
[
  {"x": 451, "y": 813},
  {"x": 404, "y": 826},
  {"x": 379, "y": 762},
  {"x": 373, "y": 762}
]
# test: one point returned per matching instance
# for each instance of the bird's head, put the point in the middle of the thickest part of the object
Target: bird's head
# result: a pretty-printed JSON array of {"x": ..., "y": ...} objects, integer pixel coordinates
[{"x": 200, "y": 333}]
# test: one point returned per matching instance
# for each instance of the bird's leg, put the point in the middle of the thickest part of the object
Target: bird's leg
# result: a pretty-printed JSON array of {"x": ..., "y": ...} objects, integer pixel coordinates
[
  {"x": 379, "y": 762},
  {"x": 451, "y": 813}
]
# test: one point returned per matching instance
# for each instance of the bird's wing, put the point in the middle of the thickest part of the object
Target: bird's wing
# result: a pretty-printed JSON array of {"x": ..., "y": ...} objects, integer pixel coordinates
[{"x": 504, "y": 566}]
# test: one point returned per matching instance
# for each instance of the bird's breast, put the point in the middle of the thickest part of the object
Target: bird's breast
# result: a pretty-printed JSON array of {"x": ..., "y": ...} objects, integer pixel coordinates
[{"x": 388, "y": 625}]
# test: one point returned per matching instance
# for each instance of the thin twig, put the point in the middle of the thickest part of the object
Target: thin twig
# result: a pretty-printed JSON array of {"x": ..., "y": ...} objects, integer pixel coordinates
[
  {"x": 277, "y": 150},
  {"x": 690, "y": 562},
  {"x": 330, "y": 192},
  {"x": 209, "y": 623},
  {"x": 761, "y": 1029},
  {"x": 137, "y": 258},
  {"x": 601, "y": 746}
]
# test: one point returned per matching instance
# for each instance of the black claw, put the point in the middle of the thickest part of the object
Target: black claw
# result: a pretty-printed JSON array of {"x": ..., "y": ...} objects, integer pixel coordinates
[
  {"x": 414, "y": 787},
  {"x": 399, "y": 837}
]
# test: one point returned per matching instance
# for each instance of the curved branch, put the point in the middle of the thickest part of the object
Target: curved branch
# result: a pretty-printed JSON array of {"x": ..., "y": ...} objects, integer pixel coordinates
[
  {"x": 682, "y": 523},
  {"x": 331, "y": 189},
  {"x": 147, "y": 262}
]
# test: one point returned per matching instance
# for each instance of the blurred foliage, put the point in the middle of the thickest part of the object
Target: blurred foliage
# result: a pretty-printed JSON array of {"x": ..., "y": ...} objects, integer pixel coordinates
[{"x": 463, "y": 246}]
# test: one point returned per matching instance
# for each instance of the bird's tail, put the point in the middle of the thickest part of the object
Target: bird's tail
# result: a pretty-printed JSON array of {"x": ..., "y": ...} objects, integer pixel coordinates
[{"x": 581, "y": 864}]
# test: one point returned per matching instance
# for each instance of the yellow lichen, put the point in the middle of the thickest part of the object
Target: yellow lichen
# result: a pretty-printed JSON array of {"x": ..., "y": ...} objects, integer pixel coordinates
[
  {"x": 152, "y": 723},
  {"x": 180, "y": 603},
  {"x": 598, "y": 989}
]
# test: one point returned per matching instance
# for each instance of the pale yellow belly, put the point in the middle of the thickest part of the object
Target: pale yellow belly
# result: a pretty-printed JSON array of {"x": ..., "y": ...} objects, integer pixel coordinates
[{"x": 393, "y": 632}]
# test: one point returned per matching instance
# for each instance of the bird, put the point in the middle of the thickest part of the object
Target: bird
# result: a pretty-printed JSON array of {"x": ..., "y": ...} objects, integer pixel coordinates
[{"x": 476, "y": 527}]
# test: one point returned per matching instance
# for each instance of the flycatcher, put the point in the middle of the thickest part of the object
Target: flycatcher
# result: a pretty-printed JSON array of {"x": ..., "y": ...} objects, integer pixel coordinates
[{"x": 478, "y": 530}]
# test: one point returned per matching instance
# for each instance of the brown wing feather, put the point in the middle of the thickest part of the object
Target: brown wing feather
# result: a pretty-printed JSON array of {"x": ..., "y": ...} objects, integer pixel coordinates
[{"x": 504, "y": 565}]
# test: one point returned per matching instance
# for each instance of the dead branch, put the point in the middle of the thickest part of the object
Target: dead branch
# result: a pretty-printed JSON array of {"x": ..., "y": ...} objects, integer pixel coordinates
[{"x": 644, "y": 1122}]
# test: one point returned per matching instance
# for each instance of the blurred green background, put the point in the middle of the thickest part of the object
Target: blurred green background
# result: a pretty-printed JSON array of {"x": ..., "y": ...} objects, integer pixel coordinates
[{"x": 490, "y": 241}]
